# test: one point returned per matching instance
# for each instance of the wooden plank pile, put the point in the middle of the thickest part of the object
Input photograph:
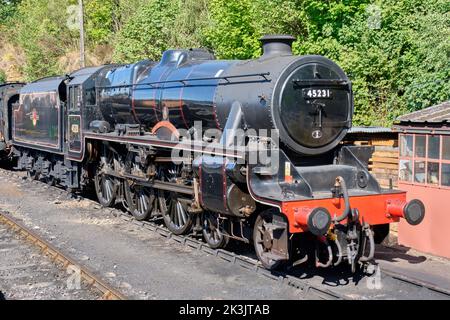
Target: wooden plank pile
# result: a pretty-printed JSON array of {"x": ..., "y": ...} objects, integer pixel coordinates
[
  {"x": 384, "y": 161},
  {"x": 384, "y": 165}
]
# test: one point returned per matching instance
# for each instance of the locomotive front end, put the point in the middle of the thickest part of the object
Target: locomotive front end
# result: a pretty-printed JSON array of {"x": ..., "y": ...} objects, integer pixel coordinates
[
  {"x": 312, "y": 104},
  {"x": 335, "y": 210}
]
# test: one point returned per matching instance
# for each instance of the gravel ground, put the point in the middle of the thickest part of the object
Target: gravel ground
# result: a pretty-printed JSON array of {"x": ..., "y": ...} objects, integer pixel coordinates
[
  {"x": 141, "y": 264},
  {"x": 26, "y": 274}
]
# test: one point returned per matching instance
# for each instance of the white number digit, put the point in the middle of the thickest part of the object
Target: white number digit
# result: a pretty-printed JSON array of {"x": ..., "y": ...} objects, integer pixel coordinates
[{"x": 318, "y": 93}]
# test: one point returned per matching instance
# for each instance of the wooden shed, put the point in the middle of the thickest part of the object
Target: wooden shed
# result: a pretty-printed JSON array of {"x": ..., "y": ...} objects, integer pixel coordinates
[{"x": 424, "y": 172}]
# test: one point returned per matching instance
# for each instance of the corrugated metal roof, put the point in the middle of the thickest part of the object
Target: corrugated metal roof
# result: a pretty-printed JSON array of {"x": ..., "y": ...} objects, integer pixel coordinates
[
  {"x": 435, "y": 114},
  {"x": 370, "y": 130}
]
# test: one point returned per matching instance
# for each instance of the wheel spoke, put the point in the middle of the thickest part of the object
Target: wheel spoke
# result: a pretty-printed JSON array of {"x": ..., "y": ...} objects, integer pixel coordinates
[
  {"x": 145, "y": 203},
  {"x": 139, "y": 204},
  {"x": 103, "y": 187},
  {"x": 175, "y": 214},
  {"x": 108, "y": 189},
  {"x": 171, "y": 212},
  {"x": 182, "y": 214},
  {"x": 179, "y": 215}
]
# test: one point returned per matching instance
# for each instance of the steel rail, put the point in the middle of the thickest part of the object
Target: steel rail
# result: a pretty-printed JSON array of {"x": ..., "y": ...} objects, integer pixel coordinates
[
  {"x": 58, "y": 257},
  {"x": 417, "y": 282},
  {"x": 253, "y": 264}
]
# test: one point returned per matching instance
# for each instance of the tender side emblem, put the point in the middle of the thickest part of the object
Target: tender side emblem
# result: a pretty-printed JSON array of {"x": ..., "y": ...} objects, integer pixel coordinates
[
  {"x": 34, "y": 117},
  {"x": 317, "y": 134}
]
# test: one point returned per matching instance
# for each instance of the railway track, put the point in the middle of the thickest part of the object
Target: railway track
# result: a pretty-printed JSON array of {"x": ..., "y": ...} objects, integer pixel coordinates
[
  {"x": 306, "y": 288},
  {"x": 308, "y": 291},
  {"x": 91, "y": 282}
]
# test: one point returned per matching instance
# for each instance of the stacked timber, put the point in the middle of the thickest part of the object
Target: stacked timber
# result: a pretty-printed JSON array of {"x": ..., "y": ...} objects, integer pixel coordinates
[{"x": 384, "y": 164}]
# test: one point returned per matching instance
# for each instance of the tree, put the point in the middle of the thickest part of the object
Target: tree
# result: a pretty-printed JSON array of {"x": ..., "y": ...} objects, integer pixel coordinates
[
  {"x": 159, "y": 25},
  {"x": 42, "y": 32},
  {"x": 144, "y": 36},
  {"x": 2, "y": 76},
  {"x": 231, "y": 32},
  {"x": 8, "y": 9},
  {"x": 400, "y": 66},
  {"x": 99, "y": 20}
]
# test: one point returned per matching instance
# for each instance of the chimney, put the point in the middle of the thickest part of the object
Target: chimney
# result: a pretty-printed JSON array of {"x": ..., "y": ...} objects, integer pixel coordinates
[{"x": 277, "y": 44}]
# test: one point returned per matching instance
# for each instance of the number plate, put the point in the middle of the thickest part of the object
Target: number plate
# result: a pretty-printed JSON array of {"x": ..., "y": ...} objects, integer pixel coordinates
[{"x": 317, "y": 94}]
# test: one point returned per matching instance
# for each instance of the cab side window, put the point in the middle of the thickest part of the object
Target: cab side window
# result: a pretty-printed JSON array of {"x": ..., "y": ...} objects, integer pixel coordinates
[{"x": 75, "y": 98}]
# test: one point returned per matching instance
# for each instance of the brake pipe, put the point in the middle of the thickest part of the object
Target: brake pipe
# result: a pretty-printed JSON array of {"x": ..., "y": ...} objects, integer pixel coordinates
[
  {"x": 330, "y": 256},
  {"x": 341, "y": 183},
  {"x": 369, "y": 235},
  {"x": 339, "y": 249}
]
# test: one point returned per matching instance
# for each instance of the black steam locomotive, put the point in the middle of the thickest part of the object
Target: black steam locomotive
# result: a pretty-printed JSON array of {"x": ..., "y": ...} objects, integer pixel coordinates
[{"x": 245, "y": 150}]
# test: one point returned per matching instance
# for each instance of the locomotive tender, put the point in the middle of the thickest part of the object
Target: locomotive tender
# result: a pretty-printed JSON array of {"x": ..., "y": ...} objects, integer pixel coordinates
[{"x": 118, "y": 127}]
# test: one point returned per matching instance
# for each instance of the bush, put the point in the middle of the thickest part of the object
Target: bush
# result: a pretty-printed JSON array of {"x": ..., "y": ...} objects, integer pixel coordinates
[
  {"x": 159, "y": 25},
  {"x": 8, "y": 9},
  {"x": 2, "y": 76},
  {"x": 44, "y": 36}
]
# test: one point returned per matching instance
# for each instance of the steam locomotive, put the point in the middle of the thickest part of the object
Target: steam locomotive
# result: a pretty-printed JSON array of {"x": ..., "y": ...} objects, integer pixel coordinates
[{"x": 244, "y": 150}]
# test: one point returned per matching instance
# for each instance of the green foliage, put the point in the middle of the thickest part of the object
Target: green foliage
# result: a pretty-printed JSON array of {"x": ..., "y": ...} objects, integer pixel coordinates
[
  {"x": 232, "y": 33},
  {"x": 186, "y": 31},
  {"x": 2, "y": 76},
  {"x": 395, "y": 52},
  {"x": 43, "y": 34},
  {"x": 397, "y": 68},
  {"x": 99, "y": 23},
  {"x": 145, "y": 35},
  {"x": 158, "y": 25},
  {"x": 8, "y": 9}
]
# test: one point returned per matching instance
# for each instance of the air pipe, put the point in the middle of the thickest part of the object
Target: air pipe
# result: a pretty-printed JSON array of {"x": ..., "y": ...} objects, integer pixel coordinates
[
  {"x": 301, "y": 261},
  {"x": 339, "y": 249},
  {"x": 369, "y": 235},
  {"x": 330, "y": 256},
  {"x": 340, "y": 182}
]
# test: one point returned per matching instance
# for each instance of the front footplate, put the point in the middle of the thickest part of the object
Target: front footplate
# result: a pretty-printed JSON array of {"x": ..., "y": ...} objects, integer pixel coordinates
[{"x": 377, "y": 209}]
